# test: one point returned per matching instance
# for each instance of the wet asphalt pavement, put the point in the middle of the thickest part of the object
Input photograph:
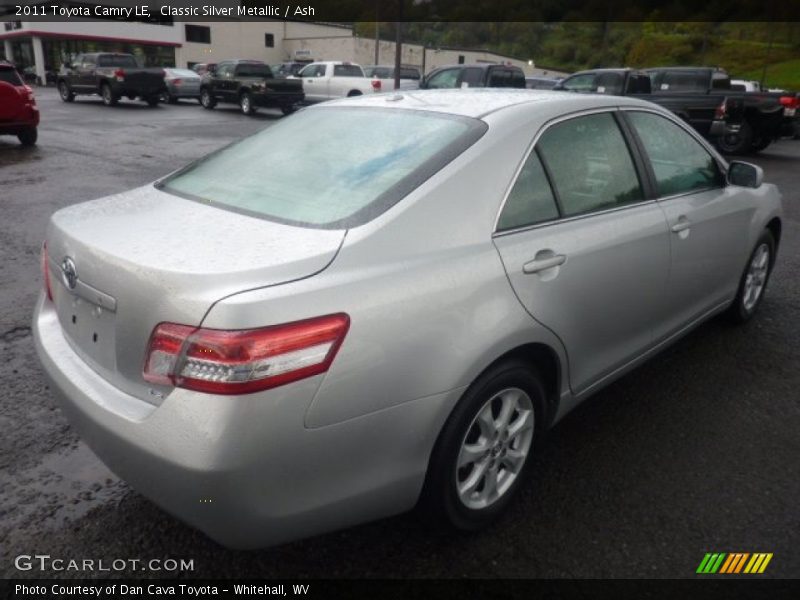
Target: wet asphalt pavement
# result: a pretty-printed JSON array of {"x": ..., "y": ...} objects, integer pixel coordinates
[{"x": 697, "y": 451}]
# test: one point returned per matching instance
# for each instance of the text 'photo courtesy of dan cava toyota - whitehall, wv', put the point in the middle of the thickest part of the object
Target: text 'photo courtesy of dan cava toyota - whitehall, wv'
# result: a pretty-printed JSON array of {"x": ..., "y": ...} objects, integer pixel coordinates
[{"x": 317, "y": 289}]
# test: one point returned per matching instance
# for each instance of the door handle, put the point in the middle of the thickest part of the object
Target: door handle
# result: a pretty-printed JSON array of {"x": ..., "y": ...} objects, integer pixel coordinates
[
  {"x": 682, "y": 225},
  {"x": 548, "y": 261}
]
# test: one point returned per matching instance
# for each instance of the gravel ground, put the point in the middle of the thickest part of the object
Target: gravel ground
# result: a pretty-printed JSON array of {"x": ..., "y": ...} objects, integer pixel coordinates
[{"x": 696, "y": 451}]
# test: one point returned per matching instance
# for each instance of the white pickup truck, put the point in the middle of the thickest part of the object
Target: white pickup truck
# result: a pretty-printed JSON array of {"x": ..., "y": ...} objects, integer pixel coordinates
[{"x": 334, "y": 79}]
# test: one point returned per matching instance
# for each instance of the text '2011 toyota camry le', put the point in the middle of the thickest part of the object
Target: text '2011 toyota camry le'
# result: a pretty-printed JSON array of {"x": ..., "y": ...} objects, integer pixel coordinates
[{"x": 384, "y": 302}]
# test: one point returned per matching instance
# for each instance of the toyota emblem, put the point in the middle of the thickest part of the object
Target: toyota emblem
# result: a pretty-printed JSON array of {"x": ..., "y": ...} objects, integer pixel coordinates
[{"x": 69, "y": 273}]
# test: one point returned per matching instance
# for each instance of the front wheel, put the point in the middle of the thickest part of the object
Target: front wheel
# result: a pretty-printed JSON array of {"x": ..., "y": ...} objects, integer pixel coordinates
[
  {"x": 246, "y": 104},
  {"x": 109, "y": 99},
  {"x": 485, "y": 448},
  {"x": 760, "y": 144},
  {"x": 66, "y": 94},
  {"x": 207, "y": 101},
  {"x": 753, "y": 283},
  {"x": 28, "y": 137}
]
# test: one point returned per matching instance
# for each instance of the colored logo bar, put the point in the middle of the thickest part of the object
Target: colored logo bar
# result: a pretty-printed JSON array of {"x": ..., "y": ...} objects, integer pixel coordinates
[{"x": 734, "y": 563}]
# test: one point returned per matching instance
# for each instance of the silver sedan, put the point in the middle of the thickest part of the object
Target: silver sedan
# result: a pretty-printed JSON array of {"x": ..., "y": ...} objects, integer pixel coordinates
[
  {"x": 181, "y": 83},
  {"x": 384, "y": 302}
]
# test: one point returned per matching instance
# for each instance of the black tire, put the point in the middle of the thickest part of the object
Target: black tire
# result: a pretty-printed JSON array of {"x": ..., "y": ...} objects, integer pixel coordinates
[
  {"x": 738, "y": 143},
  {"x": 152, "y": 101},
  {"x": 66, "y": 94},
  {"x": 441, "y": 502},
  {"x": 28, "y": 137},
  {"x": 288, "y": 109},
  {"x": 246, "y": 103},
  {"x": 743, "y": 307},
  {"x": 207, "y": 101},
  {"x": 109, "y": 99}
]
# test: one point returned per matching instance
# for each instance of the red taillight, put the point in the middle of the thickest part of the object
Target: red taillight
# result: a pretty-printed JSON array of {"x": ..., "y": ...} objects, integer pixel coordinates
[
  {"x": 242, "y": 361},
  {"x": 46, "y": 272},
  {"x": 120, "y": 74},
  {"x": 721, "y": 110},
  {"x": 376, "y": 85},
  {"x": 176, "y": 81},
  {"x": 790, "y": 101}
]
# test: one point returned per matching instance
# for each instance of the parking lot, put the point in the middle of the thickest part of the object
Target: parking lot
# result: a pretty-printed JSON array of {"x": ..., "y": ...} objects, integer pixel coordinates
[{"x": 697, "y": 451}]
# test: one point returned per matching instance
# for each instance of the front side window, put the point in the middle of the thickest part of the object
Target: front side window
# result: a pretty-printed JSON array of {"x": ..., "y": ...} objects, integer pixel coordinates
[
  {"x": 471, "y": 77},
  {"x": 590, "y": 164},
  {"x": 313, "y": 71},
  {"x": 680, "y": 164},
  {"x": 443, "y": 79},
  {"x": 531, "y": 200},
  {"x": 580, "y": 83},
  {"x": 328, "y": 167},
  {"x": 609, "y": 83}
]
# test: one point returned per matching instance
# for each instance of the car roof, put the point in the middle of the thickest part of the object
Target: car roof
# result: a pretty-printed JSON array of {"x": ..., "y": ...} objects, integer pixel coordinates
[
  {"x": 477, "y": 66},
  {"x": 479, "y": 102}
]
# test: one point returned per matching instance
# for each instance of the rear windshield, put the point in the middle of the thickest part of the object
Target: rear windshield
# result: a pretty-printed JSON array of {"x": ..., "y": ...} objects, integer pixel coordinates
[
  {"x": 253, "y": 70},
  {"x": 116, "y": 60},
  {"x": 347, "y": 71},
  {"x": 332, "y": 168},
  {"x": 10, "y": 76}
]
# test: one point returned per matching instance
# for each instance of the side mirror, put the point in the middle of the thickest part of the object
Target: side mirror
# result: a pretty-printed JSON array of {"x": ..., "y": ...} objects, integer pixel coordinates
[{"x": 745, "y": 174}]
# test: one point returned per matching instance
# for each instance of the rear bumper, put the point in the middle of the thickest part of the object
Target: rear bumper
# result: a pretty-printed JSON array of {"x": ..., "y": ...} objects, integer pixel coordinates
[
  {"x": 276, "y": 100},
  {"x": 137, "y": 91},
  {"x": 29, "y": 120},
  {"x": 245, "y": 470}
]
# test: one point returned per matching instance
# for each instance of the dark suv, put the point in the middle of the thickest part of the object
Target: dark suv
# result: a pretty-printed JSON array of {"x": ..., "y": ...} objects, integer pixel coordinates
[
  {"x": 478, "y": 75},
  {"x": 19, "y": 114}
]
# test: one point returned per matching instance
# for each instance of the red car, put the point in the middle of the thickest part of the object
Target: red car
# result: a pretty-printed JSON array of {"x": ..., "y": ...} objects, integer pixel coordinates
[{"x": 19, "y": 114}]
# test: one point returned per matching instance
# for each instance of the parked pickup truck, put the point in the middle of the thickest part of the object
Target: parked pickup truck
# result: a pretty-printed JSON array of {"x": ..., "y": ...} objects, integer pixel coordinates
[
  {"x": 763, "y": 116},
  {"x": 250, "y": 84},
  {"x": 112, "y": 76},
  {"x": 477, "y": 75},
  {"x": 334, "y": 79},
  {"x": 384, "y": 75},
  {"x": 707, "y": 114}
]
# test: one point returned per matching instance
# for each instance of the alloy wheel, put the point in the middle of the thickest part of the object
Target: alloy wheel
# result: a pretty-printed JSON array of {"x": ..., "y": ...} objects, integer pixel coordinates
[{"x": 756, "y": 277}]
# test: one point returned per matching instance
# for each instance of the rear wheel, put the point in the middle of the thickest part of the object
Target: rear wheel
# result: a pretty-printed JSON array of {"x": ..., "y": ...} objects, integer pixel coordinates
[
  {"x": 63, "y": 90},
  {"x": 753, "y": 283},
  {"x": 484, "y": 450},
  {"x": 207, "y": 101},
  {"x": 737, "y": 143},
  {"x": 354, "y": 93},
  {"x": 28, "y": 137},
  {"x": 288, "y": 109},
  {"x": 246, "y": 103},
  {"x": 152, "y": 101},
  {"x": 109, "y": 99}
]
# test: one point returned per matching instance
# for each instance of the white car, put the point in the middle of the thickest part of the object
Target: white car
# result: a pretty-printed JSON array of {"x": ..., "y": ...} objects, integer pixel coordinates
[
  {"x": 334, "y": 79},
  {"x": 743, "y": 85},
  {"x": 384, "y": 75}
]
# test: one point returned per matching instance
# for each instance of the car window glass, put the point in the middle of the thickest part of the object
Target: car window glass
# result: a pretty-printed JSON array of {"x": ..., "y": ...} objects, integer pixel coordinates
[
  {"x": 224, "y": 70},
  {"x": 347, "y": 71},
  {"x": 580, "y": 83},
  {"x": 116, "y": 60},
  {"x": 471, "y": 77},
  {"x": 516, "y": 79},
  {"x": 590, "y": 164},
  {"x": 89, "y": 61},
  {"x": 252, "y": 70},
  {"x": 409, "y": 73},
  {"x": 608, "y": 83},
  {"x": 325, "y": 167},
  {"x": 443, "y": 79},
  {"x": 10, "y": 76},
  {"x": 531, "y": 200},
  {"x": 683, "y": 81},
  {"x": 680, "y": 163}
]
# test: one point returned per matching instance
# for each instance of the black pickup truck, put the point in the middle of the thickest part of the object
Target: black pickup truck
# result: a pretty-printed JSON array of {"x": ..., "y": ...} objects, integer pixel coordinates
[
  {"x": 477, "y": 75},
  {"x": 708, "y": 115},
  {"x": 250, "y": 84},
  {"x": 762, "y": 116},
  {"x": 111, "y": 75}
]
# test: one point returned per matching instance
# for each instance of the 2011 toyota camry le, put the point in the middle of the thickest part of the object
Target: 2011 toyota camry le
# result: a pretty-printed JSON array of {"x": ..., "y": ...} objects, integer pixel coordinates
[{"x": 384, "y": 302}]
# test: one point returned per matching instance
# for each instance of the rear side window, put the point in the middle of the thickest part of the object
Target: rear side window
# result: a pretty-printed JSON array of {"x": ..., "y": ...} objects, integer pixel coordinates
[
  {"x": 472, "y": 77},
  {"x": 407, "y": 73},
  {"x": 252, "y": 70},
  {"x": 530, "y": 200},
  {"x": 609, "y": 83},
  {"x": 683, "y": 81},
  {"x": 499, "y": 78},
  {"x": 680, "y": 164},
  {"x": 347, "y": 71},
  {"x": 116, "y": 60},
  {"x": 331, "y": 167},
  {"x": 590, "y": 164},
  {"x": 10, "y": 76}
]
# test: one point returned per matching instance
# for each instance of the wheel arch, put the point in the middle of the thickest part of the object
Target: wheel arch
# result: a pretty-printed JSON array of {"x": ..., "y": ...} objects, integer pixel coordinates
[{"x": 775, "y": 227}]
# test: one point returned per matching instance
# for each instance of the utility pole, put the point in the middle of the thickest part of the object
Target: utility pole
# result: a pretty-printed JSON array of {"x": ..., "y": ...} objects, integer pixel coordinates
[
  {"x": 398, "y": 45},
  {"x": 377, "y": 36}
]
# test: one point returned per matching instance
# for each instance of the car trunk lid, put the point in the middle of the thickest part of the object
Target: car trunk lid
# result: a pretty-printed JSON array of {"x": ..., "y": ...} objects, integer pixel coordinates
[{"x": 121, "y": 265}]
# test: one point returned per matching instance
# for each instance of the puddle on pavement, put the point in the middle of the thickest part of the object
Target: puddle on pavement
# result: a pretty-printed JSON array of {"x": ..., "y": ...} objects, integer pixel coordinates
[{"x": 62, "y": 488}]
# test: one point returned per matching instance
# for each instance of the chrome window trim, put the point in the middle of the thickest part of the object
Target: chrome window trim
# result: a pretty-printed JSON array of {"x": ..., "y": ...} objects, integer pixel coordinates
[{"x": 532, "y": 146}]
